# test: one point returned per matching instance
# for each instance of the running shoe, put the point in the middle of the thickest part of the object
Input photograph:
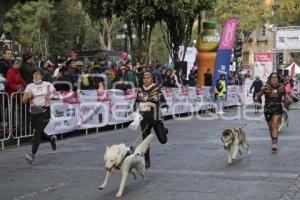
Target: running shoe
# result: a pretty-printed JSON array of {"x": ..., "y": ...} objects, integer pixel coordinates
[
  {"x": 274, "y": 147},
  {"x": 29, "y": 158}
]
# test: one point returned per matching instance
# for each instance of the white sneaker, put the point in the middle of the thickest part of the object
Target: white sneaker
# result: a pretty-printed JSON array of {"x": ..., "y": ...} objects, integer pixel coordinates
[{"x": 29, "y": 158}]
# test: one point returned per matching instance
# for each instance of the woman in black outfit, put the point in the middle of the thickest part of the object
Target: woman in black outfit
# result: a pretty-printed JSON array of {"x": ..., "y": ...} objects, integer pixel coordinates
[
  {"x": 149, "y": 102},
  {"x": 275, "y": 95}
]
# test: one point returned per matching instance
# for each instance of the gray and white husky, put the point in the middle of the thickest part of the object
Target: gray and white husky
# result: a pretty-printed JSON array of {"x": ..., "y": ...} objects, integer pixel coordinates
[{"x": 233, "y": 139}]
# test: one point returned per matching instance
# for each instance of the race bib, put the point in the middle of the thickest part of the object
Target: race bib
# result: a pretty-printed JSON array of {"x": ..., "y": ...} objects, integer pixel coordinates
[{"x": 145, "y": 107}]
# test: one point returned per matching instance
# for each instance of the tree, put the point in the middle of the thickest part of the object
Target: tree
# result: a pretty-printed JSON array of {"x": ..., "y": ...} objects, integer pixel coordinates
[
  {"x": 141, "y": 15},
  {"x": 251, "y": 15},
  {"x": 5, "y": 5},
  {"x": 29, "y": 23},
  {"x": 67, "y": 33},
  {"x": 288, "y": 13},
  {"x": 177, "y": 18},
  {"x": 103, "y": 12},
  {"x": 138, "y": 15},
  {"x": 158, "y": 49}
]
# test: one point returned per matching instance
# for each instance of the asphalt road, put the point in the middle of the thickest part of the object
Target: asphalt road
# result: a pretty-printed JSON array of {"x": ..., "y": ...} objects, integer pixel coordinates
[{"x": 192, "y": 165}]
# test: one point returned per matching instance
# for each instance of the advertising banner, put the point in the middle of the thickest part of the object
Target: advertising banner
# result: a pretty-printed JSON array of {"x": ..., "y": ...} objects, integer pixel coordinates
[
  {"x": 263, "y": 65},
  {"x": 225, "y": 50},
  {"x": 168, "y": 94},
  {"x": 120, "y": 104},
  {"x": 92, "y": 109},
  {"x": 288, "y": 38}
]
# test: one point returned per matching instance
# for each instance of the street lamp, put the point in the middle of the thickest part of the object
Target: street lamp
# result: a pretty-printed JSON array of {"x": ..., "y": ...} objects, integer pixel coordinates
[
  {"x": 124, "y": 33},
  {"x": 275, "y": 7}
]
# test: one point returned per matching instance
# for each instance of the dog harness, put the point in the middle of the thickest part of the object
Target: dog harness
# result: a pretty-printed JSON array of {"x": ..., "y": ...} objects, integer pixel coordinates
[{"x": 129, "y": 152}]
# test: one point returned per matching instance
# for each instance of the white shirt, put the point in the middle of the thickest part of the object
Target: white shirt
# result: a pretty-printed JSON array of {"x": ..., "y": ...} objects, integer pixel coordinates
[
  {"x": 56, "y": 71},
  {"x": 41, "y": 93}
]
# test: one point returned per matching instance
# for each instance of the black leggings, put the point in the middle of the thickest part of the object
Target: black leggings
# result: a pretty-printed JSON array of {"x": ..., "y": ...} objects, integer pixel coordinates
[
  {"x": 38, "y": 123},
  {"x": 160, "y": 131}
]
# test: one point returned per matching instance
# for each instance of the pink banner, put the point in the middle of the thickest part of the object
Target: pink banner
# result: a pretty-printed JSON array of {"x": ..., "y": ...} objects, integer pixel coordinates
[
  {"x": 262, "y": 57},
  {"x": 228, "y": 34}
]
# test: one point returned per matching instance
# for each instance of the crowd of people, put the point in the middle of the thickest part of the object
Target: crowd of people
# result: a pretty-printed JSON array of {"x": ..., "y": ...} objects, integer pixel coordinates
[{"x": 70, "y": 74}]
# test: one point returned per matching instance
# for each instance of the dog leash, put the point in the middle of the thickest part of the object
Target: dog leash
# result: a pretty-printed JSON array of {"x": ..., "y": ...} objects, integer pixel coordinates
[
  {"x": 247, "y": 124},
  {"x": 138, "y": 137}
]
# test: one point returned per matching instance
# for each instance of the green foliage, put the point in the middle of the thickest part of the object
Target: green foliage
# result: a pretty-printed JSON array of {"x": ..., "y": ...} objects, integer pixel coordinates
[
  {"x": 91, "y": 40},
  {"x": 28, "y": 23},
  {"x": 159, "y": 50},
  {"x": 105, "y": 8},
  {"x": 68, "y": 24},
  {"x": 179, "y": 17},
  {"x": 251, "y": 15},
  {"x": 288, "y": 13},
  {"x": 142, "y": 15}
]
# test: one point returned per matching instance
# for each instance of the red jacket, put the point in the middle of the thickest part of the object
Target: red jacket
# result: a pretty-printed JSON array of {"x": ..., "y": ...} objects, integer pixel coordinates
[{"x": 14, "y": 81}]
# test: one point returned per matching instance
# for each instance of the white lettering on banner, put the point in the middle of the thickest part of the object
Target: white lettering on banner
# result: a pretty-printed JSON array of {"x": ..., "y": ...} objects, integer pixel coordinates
[
  {"x": 87, "y": 110},
  {"x": 229, "y": 34}
]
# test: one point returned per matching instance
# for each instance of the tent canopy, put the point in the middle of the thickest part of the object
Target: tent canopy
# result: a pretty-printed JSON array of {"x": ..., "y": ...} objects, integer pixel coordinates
[{"x": 297, "y": 68}]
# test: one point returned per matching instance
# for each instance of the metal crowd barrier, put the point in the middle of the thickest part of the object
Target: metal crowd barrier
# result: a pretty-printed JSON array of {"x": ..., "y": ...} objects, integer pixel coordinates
[
  {"x": 5, "y": 128},
  {"x": 20, "y": 121},
  {"x": 16, "y": 118}
]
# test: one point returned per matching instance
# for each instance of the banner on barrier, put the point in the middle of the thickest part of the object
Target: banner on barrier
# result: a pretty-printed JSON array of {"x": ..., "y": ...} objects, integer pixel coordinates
[
  {"x": 92, "y": 109},
  {"x": 120, "y": 104}
]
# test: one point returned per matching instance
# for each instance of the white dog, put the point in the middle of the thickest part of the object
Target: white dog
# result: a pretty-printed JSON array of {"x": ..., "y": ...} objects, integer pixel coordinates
[
  {"x": 121, "y": 157},
  {"x": 233, "y": 139}
]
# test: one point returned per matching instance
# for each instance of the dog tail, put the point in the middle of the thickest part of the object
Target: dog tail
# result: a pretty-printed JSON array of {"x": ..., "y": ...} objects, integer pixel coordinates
[{"x": 142, "y": 148}]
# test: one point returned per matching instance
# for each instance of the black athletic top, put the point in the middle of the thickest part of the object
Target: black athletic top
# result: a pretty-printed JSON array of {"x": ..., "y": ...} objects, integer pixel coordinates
[
  {"x": 149, "y": 101},
  {"x": 273, "y": 94}
]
